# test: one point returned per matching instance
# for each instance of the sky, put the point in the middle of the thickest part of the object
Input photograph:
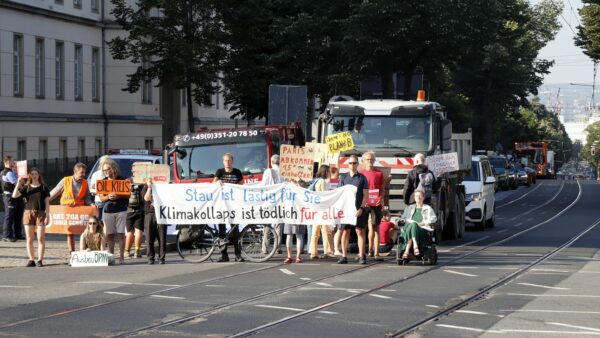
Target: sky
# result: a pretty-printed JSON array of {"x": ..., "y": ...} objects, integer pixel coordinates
[{"x": 571, "y": 65}]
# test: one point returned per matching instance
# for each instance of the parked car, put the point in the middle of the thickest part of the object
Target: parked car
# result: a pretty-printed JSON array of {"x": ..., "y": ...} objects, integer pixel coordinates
[
  {"x": 480, "y": 199},
  {"x": 500, "y": 164},
  {"x": 513, "y": 176},
  {"x": 525, "y": 177}
]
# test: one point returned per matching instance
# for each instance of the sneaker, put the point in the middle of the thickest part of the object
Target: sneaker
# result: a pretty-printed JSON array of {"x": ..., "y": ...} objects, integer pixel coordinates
[
  {"x": 342, "y": 260},
  {"x": 298, "y": 260},
  {"x": 362, "y": 260},
  {"x": 6, "y": 239},
  {"x": 151, "y": 262},
  {"x": 129, "y": 254},
  {"x": 239, "y": 259},
  {"x": 30, "y": 264},
  {"x": 39, "y": 263},
  {"x": 13, "y": 240},
  {"x": 138, "y": 254},
  {"x": 288, "y": 260},
  {"x": 162, "y": 261},
  {"x": 223, "y": 259}
]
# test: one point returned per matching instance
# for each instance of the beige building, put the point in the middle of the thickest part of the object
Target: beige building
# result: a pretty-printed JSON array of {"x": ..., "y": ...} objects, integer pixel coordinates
[{"x": 61, "y": 92}]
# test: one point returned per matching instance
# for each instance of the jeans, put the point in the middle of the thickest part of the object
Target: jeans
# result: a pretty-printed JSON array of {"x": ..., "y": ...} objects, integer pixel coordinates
[
  {"x": 233, "y": 239},
  {"x": 155, "y": 231},
  {"x": 13, "y": 216}
]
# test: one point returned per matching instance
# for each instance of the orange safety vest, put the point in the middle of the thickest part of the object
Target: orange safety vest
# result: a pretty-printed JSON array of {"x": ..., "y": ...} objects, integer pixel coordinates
[{"x": 67, "y": 197}]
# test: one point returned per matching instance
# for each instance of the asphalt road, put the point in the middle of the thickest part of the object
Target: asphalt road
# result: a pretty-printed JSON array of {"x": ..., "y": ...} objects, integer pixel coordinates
[{"x": 531, "y": 287}]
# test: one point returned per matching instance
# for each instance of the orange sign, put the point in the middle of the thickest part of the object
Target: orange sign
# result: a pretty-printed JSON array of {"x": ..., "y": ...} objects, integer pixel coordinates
[
  {"x": 119, "y": 187},
  {"x": 66, "y": 219}
]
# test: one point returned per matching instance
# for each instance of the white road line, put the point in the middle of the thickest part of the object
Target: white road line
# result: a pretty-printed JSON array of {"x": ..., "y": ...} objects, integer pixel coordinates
[
  {"x": 474, "y": 329},
  {"x": 15, "y": 286},
  {"x": 502, "y": 231},
  {"x": 466, "y": 267},
  {"x": 547, "y": 295},
  {"x": 335, "y": 289},
  {"x": 588, "y": 271},
  {"x": 502, "y": 268},
  {"x": 584, "y": 258},
  {"x": 379, "y": 296},
  {"x": 543, "y": 286},
  {"x": 472, "y": 312},
  {"x": 328, "y": 312},
  {"x": 433, "y": 306},
  {"x": 281, "y": 308},
  {"x": 305, "y": 278},
  {"x": 118, "y": 293},
  {"x": 324, "y": 284},
  {"x": 388, "y": 290},
  {"x": 167, "y": 297},
  {"x": 516, "y": 225},
  {"x": 214, "y": 285},
  {"x": 460, "y": 273},
  {"x": 556, "y": 311},
  {"x": 575, "y": 326},
  {"x": 551, "y": 270},
  {"x": 287, "y": 272},
  {"x": 126, "y": 283}
]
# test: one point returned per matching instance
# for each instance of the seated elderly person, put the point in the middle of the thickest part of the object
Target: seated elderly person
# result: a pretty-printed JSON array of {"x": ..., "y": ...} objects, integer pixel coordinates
[{"x": 417, "y": 218}]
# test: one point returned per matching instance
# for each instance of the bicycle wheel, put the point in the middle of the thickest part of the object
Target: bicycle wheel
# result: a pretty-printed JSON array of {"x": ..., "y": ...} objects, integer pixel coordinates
[
  {"x": 258, "y": 242},
  {"x": 196, "y": 243}
]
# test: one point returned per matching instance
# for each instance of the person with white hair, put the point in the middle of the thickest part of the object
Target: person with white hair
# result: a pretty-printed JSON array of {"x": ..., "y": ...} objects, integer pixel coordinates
[
  {"x": 271, "y": 176},
  {"x": 414, "y": 178}
]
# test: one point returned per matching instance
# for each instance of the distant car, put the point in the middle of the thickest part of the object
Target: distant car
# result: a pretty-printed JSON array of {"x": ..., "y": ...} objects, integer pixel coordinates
[
  {"x": 480, "y": 199},
  {"x": 532, "y": 174},
  {"x": 513, "y": 177},
  {"x": 126, "y": 157},
  {"x": 500, "y": 164}
]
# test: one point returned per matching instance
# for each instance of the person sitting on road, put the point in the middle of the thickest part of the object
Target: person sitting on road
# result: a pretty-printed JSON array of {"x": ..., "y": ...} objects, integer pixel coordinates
[
  {"x": 388, "y": 232},
  {"x": 92, "y": 239},
  {"x": 417, "y": 218}
]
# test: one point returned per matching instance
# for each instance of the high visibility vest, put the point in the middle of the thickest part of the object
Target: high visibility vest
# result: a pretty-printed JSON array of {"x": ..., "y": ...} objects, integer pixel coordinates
[{"x": 67, "y": 197}]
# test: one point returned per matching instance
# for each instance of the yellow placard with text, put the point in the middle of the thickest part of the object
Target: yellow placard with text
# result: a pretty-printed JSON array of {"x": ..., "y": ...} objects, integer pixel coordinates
[{"x": 339, "y": 142}]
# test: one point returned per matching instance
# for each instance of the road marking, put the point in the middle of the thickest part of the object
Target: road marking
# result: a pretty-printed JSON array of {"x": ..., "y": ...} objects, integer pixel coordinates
[
  {"x": 127, "y": 283},
  {"x": 543, "y": 286},
  {"x": 379, "y": 296},
  {"x": 281, "y": 308},
  {"x": 287, "y": 272},
  {"x": 551, "y": 270},
  {"x": 328, "y": 312},
  {"x": 546, "y": 295},
  {"x": 502, "y": 268},
  {"x": 167, "y": 297},
  {"x": 474, "y": 329},
  {"x": 472, "y": 312},
  {"x": 460, "y": 273},
  {"x": 555, "y": 311},
  {"x": 324, "y": 284},
  {"x": 388, "y": 290},
  {"x": 516, "y": 225},
  {"x": 466, "y": 267},
  {"x": 214, "y": 285},
  {"x": 584, "y": 258},
  {"x": 15, "y": 286},
  {"x": 502, "y": 231},
  {"x": 589, "y": 271},
  {"x": 335, "y": 289},
  {"x": 575, "y": 326},
  {"x": 433, "y": 306},
  {"x": 118, "y": 293},
  {"x": 305, "y": 278}
]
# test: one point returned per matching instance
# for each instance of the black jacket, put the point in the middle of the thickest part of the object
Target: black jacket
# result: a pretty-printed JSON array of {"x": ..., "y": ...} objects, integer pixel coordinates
[{"x": 412, "y": 182}]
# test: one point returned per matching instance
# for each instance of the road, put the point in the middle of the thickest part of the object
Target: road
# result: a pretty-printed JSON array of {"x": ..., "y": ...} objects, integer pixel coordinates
[{"x": 534, "y": 274}]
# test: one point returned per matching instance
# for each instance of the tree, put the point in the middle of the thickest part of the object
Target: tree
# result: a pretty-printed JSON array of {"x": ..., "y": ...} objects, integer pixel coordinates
[
  {"x": 178, "y": 42},
  {"x": 588, "y": 33},
  {"x": 593, "y": 136}
]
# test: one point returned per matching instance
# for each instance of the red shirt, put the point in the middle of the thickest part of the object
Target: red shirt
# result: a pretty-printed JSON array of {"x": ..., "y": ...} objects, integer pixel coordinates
[
  {"x": 375, "y": 179},
  {"x": 332, "y": 183},
  {"x": 384, "y": 232}
]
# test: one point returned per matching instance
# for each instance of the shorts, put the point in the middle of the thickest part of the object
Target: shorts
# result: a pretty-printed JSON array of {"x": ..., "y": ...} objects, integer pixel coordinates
[
  {"x": 294, "y": 229},
  {"x": 34, "y": 217},
  {"x": 386, "y": 247},
  {"x": 361, "y": 222},
  {"x": 374, "y": 214},
  {"x": 135, "y": 220},
  {"x": 114, "y": 222}
]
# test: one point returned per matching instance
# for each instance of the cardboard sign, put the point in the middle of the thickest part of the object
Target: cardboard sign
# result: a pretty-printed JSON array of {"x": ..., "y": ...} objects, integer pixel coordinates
[
  {"x": 295, "y": 162},
  {"x": 339, "y": 142},
  {"x": 65, "y": 219},
  {"x": 158, "y": 173},
  {"x": 119, "y": 187},
  {"x": 443, "y": 163},
  {"x": 91, "y": 258},
  {"x": 22, "y": 169},
  {"x": 321, "y": 154}
]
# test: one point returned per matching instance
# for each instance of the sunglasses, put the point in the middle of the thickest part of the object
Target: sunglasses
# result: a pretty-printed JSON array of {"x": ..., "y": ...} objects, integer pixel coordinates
[
  {"x": 92, "y": 223},
  {"x": 352, "y": 163}
]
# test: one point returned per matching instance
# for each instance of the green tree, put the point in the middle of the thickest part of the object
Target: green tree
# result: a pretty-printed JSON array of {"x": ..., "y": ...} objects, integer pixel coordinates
[
  {"x": 593, "y": 135},
  {"x": 178, "y": 42},
  {"x": 588, "y": 33}
]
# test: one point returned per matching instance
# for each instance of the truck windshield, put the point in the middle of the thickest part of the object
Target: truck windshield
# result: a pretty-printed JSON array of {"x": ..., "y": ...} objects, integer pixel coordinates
[
  {"x": 203, "y": 161},
  {"x": 411, "y": 133},
  {"x": 474, "y": 172},
  {"x": 535, "y": 155},
  {"x": 499, "y": 164}
]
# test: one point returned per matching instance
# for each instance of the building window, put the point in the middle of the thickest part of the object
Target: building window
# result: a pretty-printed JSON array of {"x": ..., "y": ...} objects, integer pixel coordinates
[
  {"x": 149, "y": 143},
  {"x": 95, "y": 6},
  {"x": 59, "y": 64},
  {"x": 43, "y": 149},
  {"x": 81, "y": 148},
  {"x": 62, "y": 148},
  {"x": 39, "y": 68},
  {"x": 78, "y": 66},
  {"x": 95, "y": 74},
  {"x": 99, "y": 148},
  {"x": 184, "y": 97},
  {"x": 77, "y": 4},
  {"x": 21, "y": 149},
  {"x": 146, "y": 87},
  {"x": 18, "y": 65},
  {"x": 58, "y": 2}
]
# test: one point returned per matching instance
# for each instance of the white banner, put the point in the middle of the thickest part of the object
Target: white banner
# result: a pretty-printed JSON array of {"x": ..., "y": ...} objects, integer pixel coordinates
[
  {"x": 442, "y": 163},
  {"x": 201, "y": 203}
]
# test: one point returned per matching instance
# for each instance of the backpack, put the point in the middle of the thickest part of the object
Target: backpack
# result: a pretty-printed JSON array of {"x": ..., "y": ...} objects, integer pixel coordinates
[
  {"x": 426, "y": 183},
  {"x": 313, "y": 183},
  {"x": 135, "y": 198}
]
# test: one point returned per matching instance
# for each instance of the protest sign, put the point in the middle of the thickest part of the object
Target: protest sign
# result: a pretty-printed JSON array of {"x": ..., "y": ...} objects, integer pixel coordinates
[
  {"x": 339, "y": 142},
  {"x": 22, "y": 169},
  {"x": 91, "y": 258},
  {"x": 158, "y": 173},
  {"x": 65, "y": 219},
  {"x": 442, "y": 163},
  {"x": 271, "y": 204},
  {"x": 295, "y": 162},
  {"x": 119, "y": 187},
  {"x": 321, "y": 154}
]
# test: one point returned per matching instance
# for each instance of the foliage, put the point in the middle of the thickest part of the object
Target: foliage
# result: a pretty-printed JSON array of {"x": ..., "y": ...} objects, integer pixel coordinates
[
  {"x": 593, "y": 135},
  {"x": 588, "y": 34}
]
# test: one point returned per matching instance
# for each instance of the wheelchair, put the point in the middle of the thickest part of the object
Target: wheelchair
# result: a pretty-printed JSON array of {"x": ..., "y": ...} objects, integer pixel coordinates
[{"x": 427, "y": 251}]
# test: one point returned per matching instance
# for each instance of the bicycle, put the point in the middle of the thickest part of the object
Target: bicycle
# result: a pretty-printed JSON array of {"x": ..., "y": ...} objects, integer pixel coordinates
[{"x": 196, "y": 243}]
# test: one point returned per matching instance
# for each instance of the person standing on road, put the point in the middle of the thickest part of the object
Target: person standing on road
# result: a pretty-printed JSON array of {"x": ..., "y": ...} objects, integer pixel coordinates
[
  {"x": 36, "y": 214},
  {"x": 271, "y": 176},
  {"x": 135, "y": 221},
  {"x": 229, "y": 174},
  {"x": 414, "y": 179},
  {"x": 374, "y": 202},
  {"x": 74, "y": 191},
  {"x": 115, "y": 211},
  {"x": 98, "y": 175},
  {"x": 321, "y": 229},
  {"x": 358, "y": 180},
  {"x": 154, "y": 230},
  {"x": 13, "y": 207}
]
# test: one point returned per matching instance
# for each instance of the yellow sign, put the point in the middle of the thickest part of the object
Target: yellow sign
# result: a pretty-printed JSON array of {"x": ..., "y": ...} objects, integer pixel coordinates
[{"x": 339, "y": 142}]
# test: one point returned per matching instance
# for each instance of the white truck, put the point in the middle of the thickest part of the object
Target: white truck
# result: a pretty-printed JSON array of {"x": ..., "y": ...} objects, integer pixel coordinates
[{"x": 396, "y": 130}]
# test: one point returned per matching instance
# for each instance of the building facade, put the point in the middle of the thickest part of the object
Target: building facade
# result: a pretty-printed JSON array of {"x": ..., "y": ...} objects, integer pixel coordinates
[{"x": 61, "y": 92}]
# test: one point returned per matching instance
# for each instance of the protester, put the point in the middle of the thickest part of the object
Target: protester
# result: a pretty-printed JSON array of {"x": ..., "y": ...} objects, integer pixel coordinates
[
  {"x": 388, "y": 232},
  {"x": 13, "y": 207},
  {"x": 413, "y": 180},
  {"x": 271, "y": 176},
  {"x": 154, "y": 230},
  {"x": 135, "y": 221},
  {"x": 323, "y": 229},
  {"x": 98, "y": 175},
  {"x": 357, "y": 179},
  {"x": 36, "y": 214},
  {"x": 92, "y": 239},
  {"x": 375, "y": 201},
  {"x": 417, "y": 217},
  {"x": 115, "y": 211},
  {"x": 229, "y": 174},
  {"x": 74, "y": 191}
]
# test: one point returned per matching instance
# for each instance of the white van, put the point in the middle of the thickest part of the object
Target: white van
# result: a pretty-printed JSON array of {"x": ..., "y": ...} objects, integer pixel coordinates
[{"x": 480, "y": 198}]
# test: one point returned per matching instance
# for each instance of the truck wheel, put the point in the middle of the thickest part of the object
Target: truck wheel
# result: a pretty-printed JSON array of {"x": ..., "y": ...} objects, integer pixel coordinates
[{"x": 461, "y": 217}]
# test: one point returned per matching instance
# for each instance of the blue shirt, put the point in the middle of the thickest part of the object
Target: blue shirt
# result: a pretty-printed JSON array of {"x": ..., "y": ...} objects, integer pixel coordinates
[{"x": 359, "y": 181}]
